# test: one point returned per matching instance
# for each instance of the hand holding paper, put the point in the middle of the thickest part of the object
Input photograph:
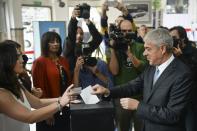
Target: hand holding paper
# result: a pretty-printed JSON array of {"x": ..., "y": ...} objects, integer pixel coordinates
[{"x": 87, "y": 97}]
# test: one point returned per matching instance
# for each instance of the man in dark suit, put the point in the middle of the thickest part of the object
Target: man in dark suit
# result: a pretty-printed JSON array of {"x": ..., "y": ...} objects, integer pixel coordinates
[{"x": 166, "y": 92}]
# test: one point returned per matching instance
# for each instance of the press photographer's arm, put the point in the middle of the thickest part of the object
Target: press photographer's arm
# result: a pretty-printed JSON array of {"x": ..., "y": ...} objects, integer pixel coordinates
[
  {"x": 113, "y": 63},
  {"x": 136, "y": 62},
  {"x": 78, "y": 66},
  {"x": 76, "y": 34}
]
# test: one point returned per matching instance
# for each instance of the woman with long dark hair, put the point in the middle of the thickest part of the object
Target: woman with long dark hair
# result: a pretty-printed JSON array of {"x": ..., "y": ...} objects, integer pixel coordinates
[{"x": 15, "y": 100}]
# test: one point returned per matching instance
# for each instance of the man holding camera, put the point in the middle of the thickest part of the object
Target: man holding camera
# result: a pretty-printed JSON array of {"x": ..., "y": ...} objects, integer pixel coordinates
[
  {"x": 184, "y": 50},
  {"x": 73, "y": 43},
  {"x": 90, "y": 72},
  {"x": 126, "y": 64},
  {"x": 116, "y": 26}
]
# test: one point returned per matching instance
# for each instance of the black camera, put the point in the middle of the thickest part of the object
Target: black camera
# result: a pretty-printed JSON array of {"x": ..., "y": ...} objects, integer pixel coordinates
[
  {"x": 120, "y": 42},
  {"x": 176, "y": 42},
  {"x": 90, "y": 61},
  {"x": 86, "y": 53},
  {"x": 84, "y": 10},
  {"x": 61, "y": 4},
  {"x": 113, "y": 28}
]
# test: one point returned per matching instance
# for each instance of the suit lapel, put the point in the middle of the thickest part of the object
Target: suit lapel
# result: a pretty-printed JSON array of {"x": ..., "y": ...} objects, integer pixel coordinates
[
  {"x": 161, "y": 79},
  {"x": 149, "y": 83}
]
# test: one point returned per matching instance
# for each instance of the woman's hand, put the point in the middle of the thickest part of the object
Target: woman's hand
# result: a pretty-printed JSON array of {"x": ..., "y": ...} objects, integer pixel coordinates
[{"x": 66, "y": 97}]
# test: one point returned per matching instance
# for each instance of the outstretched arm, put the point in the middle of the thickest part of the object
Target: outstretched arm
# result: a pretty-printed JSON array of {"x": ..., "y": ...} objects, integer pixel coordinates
[{"x": 16, "y": 110}]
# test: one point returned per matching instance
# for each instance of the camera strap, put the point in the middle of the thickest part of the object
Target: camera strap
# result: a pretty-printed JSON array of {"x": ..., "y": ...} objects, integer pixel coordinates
[
  {"x": 98, "y": 53},
  {"x": 63, "y": 78}
]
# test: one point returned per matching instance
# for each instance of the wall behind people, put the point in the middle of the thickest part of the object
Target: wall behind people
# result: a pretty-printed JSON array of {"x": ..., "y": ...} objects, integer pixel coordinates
[
  {"x": 173, "y": 19},
  {"x": 14, "y": 12},
  {"x": 13, "y": 8}
]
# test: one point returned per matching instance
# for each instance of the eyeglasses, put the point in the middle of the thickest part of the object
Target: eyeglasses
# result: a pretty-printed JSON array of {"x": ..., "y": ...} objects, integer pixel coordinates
[{"x": 126, "y": 31}]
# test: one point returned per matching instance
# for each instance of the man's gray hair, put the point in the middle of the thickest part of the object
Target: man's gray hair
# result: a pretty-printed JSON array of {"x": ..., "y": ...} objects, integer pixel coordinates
[{"x": 160, "y": 37}]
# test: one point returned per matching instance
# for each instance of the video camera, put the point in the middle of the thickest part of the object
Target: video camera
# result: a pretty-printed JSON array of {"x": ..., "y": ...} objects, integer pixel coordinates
[
  {"x": 121, "y": 41},
  {"x": 84, "y": 10}
]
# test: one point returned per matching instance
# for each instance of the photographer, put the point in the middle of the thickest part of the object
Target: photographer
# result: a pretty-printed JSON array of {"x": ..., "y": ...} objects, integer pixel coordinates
[
  {"x": 91, "y": 72},
  {"x": 125, "y": 16},
  {"x": 104, "y": 22},
  {"x": 126, "y": 63},
  {"x": 75, "y": 35},
  {"x": 184, "y": 50}
]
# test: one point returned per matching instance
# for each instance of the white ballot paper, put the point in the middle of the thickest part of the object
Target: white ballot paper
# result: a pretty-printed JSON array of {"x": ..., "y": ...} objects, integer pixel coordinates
[{"x": 87, "y": 97}]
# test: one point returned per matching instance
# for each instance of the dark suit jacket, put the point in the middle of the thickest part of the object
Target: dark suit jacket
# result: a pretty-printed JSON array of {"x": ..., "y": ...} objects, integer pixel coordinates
[{"x": 163, "y": 105}]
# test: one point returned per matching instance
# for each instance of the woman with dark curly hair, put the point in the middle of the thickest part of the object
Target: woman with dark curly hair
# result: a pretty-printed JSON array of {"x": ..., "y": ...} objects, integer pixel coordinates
[{"x": 15, "y": 101}]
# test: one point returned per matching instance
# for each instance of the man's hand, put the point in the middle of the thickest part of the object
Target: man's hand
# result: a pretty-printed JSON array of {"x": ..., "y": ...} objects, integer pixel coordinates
[
  {"x": 129, "y": 53},
  {"x": 105, "y": 7},
  {"x": 98, "y": 89},
  {"x": 129, "y": 103},
  {"x": 79, "y": 63},
  {"x": 76, "y": 12},
  {"x": 177, "y": 51},
  {"x": 112, "y": 42},
  {"x": 121, "y": 7},
  {"x": 118, "y": 5},
  {"x": 136, "y": 62}
]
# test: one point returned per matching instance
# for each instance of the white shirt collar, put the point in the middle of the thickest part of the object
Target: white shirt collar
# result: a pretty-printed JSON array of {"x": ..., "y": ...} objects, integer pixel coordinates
[{"x": 164, "y": 65}]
